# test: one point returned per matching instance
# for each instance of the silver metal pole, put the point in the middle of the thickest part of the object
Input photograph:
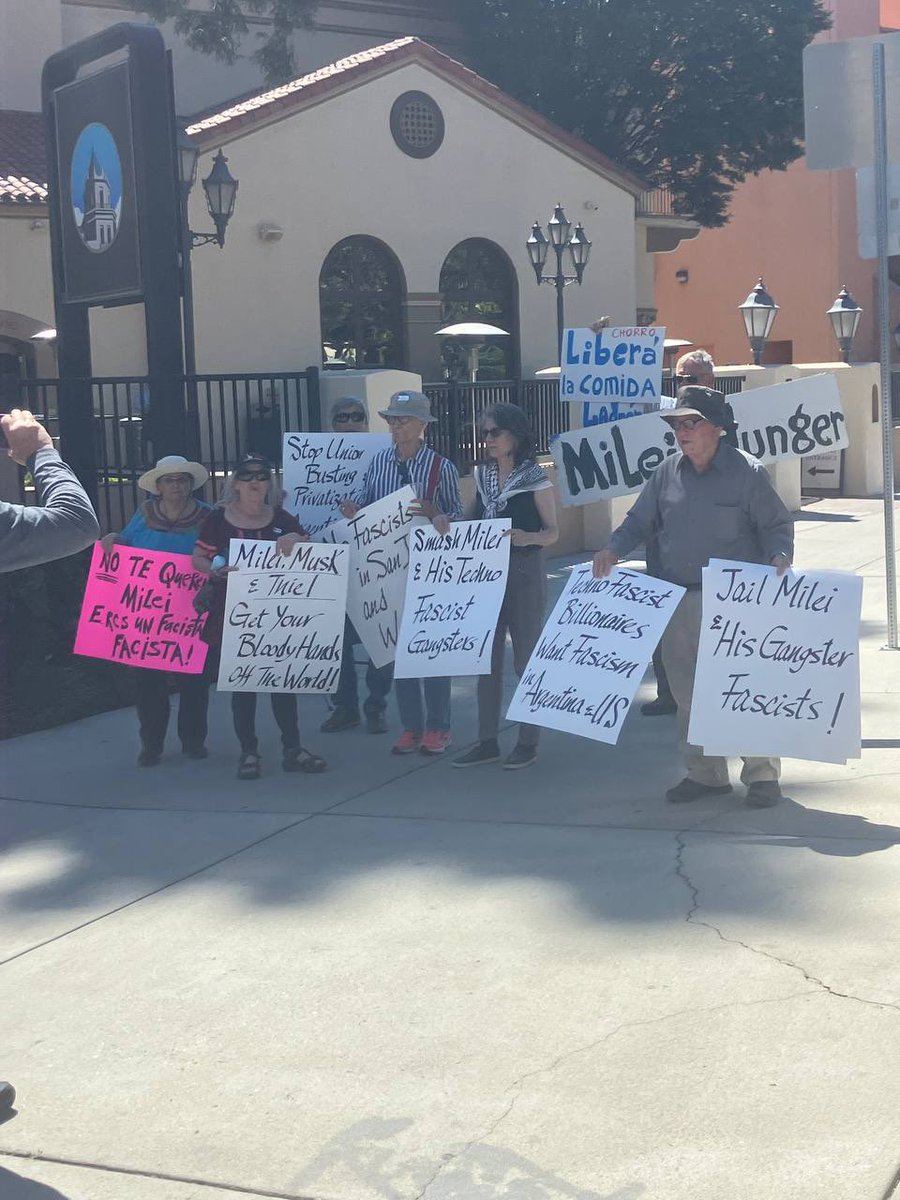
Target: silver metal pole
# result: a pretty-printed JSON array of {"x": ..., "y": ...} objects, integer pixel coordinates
[{"x": 884, "y": 321}]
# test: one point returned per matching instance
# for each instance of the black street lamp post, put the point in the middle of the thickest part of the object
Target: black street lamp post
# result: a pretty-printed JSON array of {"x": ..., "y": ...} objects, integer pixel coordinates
[
  {"x": 562, "y": 239},
  {"x": 221, "y": 191}
]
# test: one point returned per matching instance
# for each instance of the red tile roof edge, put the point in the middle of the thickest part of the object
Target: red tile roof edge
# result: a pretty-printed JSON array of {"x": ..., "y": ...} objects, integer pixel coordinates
[{"x": 239, "y": 117}]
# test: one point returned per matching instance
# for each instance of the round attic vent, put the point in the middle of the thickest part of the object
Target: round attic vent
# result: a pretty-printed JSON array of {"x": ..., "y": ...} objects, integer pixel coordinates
[{"x": 417, "y": 124}]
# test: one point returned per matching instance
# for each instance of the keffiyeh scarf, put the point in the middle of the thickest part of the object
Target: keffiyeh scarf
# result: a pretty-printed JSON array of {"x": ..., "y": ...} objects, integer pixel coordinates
[{"x": 526, "y": 477}]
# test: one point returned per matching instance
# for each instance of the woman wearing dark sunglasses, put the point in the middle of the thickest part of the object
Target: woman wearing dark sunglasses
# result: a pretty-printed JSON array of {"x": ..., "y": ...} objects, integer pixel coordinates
[
  {"x": 249, "y": 510},
  {"x": 511, "y": 484}
]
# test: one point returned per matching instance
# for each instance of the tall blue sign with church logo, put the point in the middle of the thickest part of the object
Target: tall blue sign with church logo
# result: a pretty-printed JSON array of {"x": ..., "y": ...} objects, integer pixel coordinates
[
  {"x": 95, "y": 160},
  {"x": 115, "y": 227}
]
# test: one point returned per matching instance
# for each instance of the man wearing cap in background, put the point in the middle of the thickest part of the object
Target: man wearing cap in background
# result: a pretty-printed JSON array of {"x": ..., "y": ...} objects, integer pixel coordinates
[
  {"x": 710, "y": 501},
  {"x": 435, "y": 481},
  {"x": 695, "y": 367},
  {"x": 349, "y": 415}
]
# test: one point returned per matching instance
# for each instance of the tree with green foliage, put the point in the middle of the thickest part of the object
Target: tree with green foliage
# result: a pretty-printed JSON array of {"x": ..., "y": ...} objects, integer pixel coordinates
[
  {"x": 693, "y": 95},
  {"x": 220, "y": 29}
]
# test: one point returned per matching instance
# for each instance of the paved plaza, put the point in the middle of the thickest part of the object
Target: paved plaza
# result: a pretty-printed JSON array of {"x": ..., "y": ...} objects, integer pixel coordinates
[{"x": 397, "y": 981}]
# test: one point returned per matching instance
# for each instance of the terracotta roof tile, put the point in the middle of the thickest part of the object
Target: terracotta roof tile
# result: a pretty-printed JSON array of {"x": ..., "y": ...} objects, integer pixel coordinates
[
  {"x": 23, "y": 158},
  {"x": 261, "y": 107},
  {"x": 276, "y": 97}
]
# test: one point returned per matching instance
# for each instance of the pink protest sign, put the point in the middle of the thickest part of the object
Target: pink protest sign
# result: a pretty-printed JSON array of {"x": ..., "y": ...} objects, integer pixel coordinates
[{"x": 138, "y": 610}]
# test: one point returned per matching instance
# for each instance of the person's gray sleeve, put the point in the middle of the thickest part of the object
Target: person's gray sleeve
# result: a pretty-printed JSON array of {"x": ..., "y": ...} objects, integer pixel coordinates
[
  {"x": 62, "y": 523},
  {"x": 773, "y": 520},
  {"x": 638, "y": 526}
]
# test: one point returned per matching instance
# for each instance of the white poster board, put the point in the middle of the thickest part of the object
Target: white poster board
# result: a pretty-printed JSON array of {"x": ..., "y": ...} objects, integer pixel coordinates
[
  {"x": 378, "y": 537},
  {"x": 322, "y": 469},
  {"x": 788, "y": 420},
  {"x": 623, "y": 362},
  {"x": 454, "y": 591},
  {"x": 284, "y": 618},
  {"x": 778, "y": 664},
  {"x": 593, "y": 653}
]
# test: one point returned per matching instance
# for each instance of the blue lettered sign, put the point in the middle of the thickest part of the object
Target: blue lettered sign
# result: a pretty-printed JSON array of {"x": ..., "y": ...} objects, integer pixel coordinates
[{"x": 621, "y": 363}]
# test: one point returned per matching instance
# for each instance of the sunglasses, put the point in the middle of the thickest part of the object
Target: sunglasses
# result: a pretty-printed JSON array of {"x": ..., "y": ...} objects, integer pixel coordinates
[
  {"x": 186, "y": 479},
  {"x": 399, "y": 420},
  {"x": 686, "y": 378},
  {"x": 493, "y": 432},
  {"x": 687, "y": 423},
  {"x": 343, "y": 418},
  {"x": 253, "y": 476}
]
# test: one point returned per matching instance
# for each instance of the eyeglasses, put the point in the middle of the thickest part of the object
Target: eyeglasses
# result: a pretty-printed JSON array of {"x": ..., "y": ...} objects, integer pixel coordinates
[
  {"x": 252, "y": 477},
  {"x": 687, "y": 423},
  {"x": 686, "y": 378},
  {"x": 493, "y": 432},
  {"x": 344, "y": 417},
  {"x": 172, "y": 479},
  {"x": 399, "y": 420}
]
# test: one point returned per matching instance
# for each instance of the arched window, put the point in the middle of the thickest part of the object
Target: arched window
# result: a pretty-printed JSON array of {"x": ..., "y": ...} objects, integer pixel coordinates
[
  {"x": 361, "y": 291},
  {"x": 478, "y": 283}
]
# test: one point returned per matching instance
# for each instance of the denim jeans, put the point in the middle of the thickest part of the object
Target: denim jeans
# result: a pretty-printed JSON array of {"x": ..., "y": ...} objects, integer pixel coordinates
[
  {"x": 378, "y": 680},
  {"x": 435, "y": 714}
]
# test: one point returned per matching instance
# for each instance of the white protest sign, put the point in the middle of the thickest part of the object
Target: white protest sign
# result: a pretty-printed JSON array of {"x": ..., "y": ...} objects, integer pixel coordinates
[
  {"x": 284, "y": 618},
  {"x": 378, "y": 537},
  {"x": 778, "y": 664},
  {"x": 789, "y": 420},
  {"x": 454, "y": 591},
  {"x": 619, "y": 363},
  {"x": 593, "y": 653},
  {"x": 322, "y": 469}
]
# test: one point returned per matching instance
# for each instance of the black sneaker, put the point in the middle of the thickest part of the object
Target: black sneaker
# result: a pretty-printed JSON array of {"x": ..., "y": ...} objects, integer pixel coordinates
[
  {"x": 340, "y": 720},
  {"x": 249, "y": 766},
  {"x": 764, "y": 794},
  {"x": 194, "y": 750},
  {"x": 521, "y": 756},
  {"x": 375, "y": 723},
  {"x": 148, "y": 757},
  {"x": 481, "y": 753},
  {"x": 690, "y": 789}
]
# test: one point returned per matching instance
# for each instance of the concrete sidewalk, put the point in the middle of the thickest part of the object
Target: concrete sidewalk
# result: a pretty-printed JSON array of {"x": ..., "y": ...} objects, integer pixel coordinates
[{"x": 396, "y": 981}]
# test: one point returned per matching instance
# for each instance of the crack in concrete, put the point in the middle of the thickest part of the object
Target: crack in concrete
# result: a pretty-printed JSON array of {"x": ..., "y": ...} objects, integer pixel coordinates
[
  {"x": 519, "y": 1084},
  {"x": 691, "y": 919}
]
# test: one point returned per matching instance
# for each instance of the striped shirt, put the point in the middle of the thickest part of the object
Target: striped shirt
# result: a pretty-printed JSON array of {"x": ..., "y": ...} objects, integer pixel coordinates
[{"x": 386, "y": 474}]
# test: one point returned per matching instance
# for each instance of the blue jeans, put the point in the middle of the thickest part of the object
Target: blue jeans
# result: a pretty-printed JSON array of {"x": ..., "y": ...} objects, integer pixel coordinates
[
  {"x": 378, "y": 680},
  {"x": 436, "y": 713}
]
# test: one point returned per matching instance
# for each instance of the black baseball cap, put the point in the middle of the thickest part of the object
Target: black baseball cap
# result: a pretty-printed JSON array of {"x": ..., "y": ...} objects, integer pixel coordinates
[{"x": 695, "y": 401}]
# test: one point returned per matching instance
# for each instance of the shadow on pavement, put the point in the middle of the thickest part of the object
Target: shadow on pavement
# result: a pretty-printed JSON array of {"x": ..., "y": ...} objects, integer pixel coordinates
[
  {"x": 14, "y": 1187},
  {"x": 474, "y": 1172}
]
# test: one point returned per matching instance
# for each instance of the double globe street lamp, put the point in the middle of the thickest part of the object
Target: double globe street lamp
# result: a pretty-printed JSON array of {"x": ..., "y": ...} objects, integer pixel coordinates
[{"x": 563, "y": 239}]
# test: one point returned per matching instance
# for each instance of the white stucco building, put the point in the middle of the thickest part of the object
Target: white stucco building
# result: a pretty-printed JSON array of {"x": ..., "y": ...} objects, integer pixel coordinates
[{"x": 381, "y": 195}]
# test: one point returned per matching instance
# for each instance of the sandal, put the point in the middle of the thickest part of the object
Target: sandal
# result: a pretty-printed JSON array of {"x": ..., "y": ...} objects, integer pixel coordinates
[
  {"x": 249, "y": 766},
  {"x": 303, "y": 760}
]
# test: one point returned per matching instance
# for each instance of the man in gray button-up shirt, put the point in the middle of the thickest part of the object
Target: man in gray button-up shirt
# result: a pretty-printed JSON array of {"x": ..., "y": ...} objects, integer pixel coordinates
[{"x": 710, "y": 501}]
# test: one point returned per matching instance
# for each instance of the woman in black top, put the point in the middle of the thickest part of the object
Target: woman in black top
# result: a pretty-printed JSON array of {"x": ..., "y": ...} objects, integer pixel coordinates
[
  {"x": 249, "y": 510},
  {"x": 511, "y": 484}
]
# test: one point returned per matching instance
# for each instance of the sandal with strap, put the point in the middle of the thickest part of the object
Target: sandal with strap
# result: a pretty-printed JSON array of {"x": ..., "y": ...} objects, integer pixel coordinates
[
  {"x": 249, "y": 766},
  {"x": 303, "y": 760}
]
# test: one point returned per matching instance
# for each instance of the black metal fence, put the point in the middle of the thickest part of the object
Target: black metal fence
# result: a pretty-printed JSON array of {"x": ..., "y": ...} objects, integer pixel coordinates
[
  {"x": 227, "y": 416},
  {"x": 458, "y": 408},
  {"x": 231, "y": 414}
]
